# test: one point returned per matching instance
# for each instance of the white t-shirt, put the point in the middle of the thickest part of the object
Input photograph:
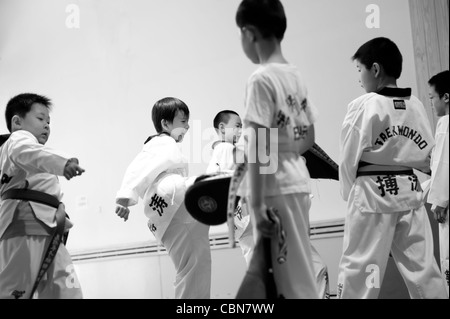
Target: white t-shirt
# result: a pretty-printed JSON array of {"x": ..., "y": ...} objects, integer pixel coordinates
[{"x": 276, "y": 98}]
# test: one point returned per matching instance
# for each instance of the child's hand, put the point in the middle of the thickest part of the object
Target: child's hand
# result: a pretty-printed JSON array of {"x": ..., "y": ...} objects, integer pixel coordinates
[
  {"x": 440, "y": 213},
  {"x": 72, "y": 169},
  {"x": 263, "y": 223},
  {"x": 122, "y": 212}
]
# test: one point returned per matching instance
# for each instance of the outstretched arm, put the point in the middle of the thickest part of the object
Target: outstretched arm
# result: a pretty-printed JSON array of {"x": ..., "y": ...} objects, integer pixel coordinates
[{"x": 35, "y": 158}]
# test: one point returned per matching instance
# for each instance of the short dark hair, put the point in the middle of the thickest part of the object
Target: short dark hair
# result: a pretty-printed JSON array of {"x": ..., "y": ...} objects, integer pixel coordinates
[
  {"x": 382, "y": 51},
  {"x": 441, "y": 83},
  {"x": 166, "y": 109},
  {"x": 266, "y": 15},
  {"x": 222, "y": 116},
  {"x": 21, "y": 105}
]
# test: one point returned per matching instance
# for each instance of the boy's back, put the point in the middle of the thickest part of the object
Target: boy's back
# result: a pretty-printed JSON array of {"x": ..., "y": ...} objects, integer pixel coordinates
[
  {"x": 277, "y": 110},
  {"x": 385, "y": 135},
  {"x": 277, "y": 98},
  {"x": 389, "y": 128}
]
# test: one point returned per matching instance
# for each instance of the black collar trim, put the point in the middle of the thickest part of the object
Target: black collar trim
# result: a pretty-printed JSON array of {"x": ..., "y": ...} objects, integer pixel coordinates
[
  {"x": 152, "y": 136},
  {"x": 397, "y": 92}
]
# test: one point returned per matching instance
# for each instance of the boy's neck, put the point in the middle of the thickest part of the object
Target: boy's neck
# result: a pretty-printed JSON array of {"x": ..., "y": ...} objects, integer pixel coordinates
[
  {"x": 387, "y": 83},
  {"x": 269, "y": 51},
  {"x": 222, "y": 140}
]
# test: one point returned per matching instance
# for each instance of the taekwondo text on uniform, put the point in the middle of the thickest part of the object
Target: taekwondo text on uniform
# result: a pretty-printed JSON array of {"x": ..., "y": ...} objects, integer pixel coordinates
[{"x": 399, "y": 130}]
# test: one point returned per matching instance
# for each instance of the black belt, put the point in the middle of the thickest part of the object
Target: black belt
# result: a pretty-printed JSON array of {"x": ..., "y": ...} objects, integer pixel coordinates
[
  {"x": 58, "y": 234},
  {"x": 384, "y": 173},
  {"x": 369, "y": 169},
  {"x": 31, "y": 195}
]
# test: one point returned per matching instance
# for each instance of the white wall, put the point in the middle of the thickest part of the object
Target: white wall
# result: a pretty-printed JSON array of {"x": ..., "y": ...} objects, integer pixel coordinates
[
  {"x": 146, "y": 272},
  {"x": 105, "y": 76},
  {"x": 151, "y": 275}
]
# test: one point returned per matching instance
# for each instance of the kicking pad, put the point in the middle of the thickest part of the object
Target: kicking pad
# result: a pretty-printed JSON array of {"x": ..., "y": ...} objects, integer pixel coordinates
[
  {"x": 320, "y": 165},
  {"x": 207, "y": 198}
]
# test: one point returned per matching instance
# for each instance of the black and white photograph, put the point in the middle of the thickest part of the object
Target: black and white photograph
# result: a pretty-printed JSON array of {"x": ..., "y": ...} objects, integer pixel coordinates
[{"x": 224, "y": 154}]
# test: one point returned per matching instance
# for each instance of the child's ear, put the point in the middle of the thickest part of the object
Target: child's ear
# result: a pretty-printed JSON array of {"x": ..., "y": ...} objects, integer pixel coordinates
[
  {"x": 165, "y": 124},
  {"x": 16, "y": 122},
  {"x": 250, "y": 32},
  {"x": 446, "y": 98},
  {"x": 376, "y": 70},
  {"x": 222, "y": 128}
]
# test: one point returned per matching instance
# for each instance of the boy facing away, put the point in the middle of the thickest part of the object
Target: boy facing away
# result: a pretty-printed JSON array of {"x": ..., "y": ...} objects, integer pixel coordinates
[
  {"x": 385, "y": 135},
  {"x": 158, "y": 175},
  {"x": 27, "y": 224},
  {"x": 228, "y": 126},
  {"x": 439, "y": 186},
  {"x": 277, "y": 109}
]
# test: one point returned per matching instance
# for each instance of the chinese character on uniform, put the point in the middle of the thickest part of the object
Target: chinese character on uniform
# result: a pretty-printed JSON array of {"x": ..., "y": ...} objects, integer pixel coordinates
[
  {"x": 387, "y": 184},
  {"x": 300, "y": 132},
  {"x": 414, "y": 183},
  {"x": 291, "y": 102},
  {"x": 158, "y": 203},
  {"x": 238, "y": 212},
  {"x": 152, "y": 227},
  {"x": 282, "y": 120},
  {"x": 304, "y": 104}
]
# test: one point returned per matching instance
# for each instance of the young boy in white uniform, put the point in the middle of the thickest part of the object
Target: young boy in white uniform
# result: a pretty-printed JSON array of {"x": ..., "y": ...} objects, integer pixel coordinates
[
  {"x": 439, "y": 187},
  {"x": 158, "y": 175},
  {"x": 228, "y": 126},
  {"x": 26, "y": 226},
  {"x": 277, "y": 104},
  {"x": 385, "y": 135}
]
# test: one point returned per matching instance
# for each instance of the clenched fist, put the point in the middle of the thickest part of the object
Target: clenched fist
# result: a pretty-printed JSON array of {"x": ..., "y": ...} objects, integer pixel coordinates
[{"x": 72, "y": 169}]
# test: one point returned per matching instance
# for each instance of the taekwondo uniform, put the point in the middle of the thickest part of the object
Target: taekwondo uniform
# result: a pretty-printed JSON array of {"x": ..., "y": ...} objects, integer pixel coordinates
[
  {"x": 321, "y": 274},
  {"x": 385, "y": 135},
  {"x": 158, "y": 175},
  {"x": 25, "y": 226},
  {"x": 439, "y": 191}
]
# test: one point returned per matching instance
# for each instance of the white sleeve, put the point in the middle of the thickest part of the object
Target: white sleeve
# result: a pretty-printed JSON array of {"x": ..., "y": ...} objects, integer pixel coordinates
[
  {"x": 29, "y": 155},
  {"x": 259, "y": 106},
  {"x": 145, "y": 168},
  {"x": 439, "y": 187},
  {"x": 352, "y": 144}
]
